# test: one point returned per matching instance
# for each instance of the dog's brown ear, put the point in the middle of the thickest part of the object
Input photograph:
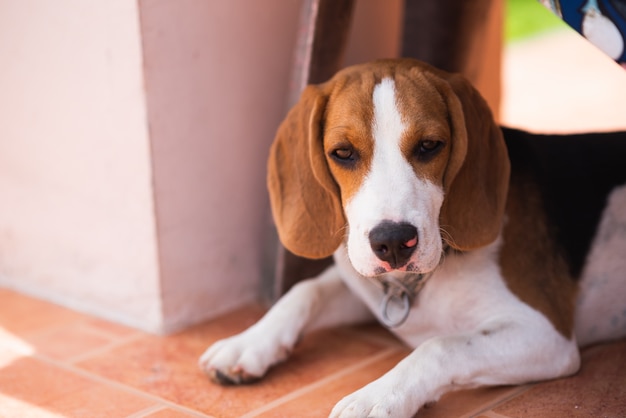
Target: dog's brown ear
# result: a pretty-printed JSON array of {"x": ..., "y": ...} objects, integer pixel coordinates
[
  {"x": 477, "y": 177},
  {"x": 303, "y": 194}
]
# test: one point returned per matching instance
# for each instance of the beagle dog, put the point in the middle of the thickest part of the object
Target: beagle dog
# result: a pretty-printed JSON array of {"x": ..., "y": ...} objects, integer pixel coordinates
[{"x": 494, "y": 253}]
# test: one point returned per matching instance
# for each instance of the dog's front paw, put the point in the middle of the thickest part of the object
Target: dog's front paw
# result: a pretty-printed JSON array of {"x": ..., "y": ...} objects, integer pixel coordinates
[
  {"x": 374, "y": 400},
  {"x": 243, "y": 358}
]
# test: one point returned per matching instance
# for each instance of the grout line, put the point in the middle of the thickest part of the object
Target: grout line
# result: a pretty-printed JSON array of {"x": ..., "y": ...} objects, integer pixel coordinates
[
  {"x": 102, "y": 349},
  {"x": 491, "y": 414},
  {"x": 120, "y": 386},
  {"x": 93, "y": 329},
  {"x": 487, "y": 408},
  {"x": 49, "y": 330},
  {"x": 319, "y": 383},
  {"x": 147, "y": 411},
  {"x": 83, "y": 324}
]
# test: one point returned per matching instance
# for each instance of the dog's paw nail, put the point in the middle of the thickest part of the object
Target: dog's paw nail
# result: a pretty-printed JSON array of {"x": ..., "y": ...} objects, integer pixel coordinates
[
  {"x": 224, "y": 379},
  {"x": 235, "y": 376}
]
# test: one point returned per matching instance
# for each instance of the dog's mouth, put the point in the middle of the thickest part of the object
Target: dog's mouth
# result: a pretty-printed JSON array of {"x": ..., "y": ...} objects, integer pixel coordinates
[
  {"x": 406, "y": 274},
  {"x": 386, "y": 268}
]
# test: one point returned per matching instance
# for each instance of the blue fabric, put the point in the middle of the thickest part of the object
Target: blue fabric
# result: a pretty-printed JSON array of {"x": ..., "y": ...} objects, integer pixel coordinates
[{"x": 602, "y": 22}]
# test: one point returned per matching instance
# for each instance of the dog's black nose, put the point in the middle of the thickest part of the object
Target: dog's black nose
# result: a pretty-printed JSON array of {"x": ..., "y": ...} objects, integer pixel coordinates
[{"x": 393, "y": 242}]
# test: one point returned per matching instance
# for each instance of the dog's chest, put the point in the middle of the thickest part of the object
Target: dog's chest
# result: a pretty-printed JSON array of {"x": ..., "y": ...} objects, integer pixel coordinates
[{"x": 463, "y": 293}]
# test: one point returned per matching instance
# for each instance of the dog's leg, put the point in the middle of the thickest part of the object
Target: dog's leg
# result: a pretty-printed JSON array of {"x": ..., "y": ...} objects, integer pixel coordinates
[
  {"x": 311, "y": 304},
  {"x": 504, "y": 353}
]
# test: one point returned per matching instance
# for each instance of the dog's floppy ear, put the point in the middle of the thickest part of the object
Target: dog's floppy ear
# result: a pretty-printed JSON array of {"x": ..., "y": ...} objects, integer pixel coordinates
[
  {"x": 303, "y": 194},
  {"x": 477, "y": 176}
]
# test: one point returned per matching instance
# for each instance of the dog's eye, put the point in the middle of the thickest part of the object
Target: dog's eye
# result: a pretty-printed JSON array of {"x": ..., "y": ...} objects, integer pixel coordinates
[
  {"x": 429, "y": 145},
  {"x": 427, "y": 148},
  {"x": 343, "y": 153},
  {"x": 344, "y": 156}
]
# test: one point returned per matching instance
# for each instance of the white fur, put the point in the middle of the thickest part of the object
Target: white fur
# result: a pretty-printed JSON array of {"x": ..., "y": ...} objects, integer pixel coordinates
[
  {"x": 467, "y": 329},
  {"x": 392, "y": 191},
  {"x": 601, "y": 306}
]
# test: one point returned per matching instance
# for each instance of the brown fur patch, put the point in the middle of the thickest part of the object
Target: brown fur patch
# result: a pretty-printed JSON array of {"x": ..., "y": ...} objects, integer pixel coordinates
[
  {"x": 303, "y": 195},
  {"x": 348, "y": 123},
  {"x": 426, "y": 115},
  {"x": 477, "y": 176},
  {"x": 530, "y": 260}
]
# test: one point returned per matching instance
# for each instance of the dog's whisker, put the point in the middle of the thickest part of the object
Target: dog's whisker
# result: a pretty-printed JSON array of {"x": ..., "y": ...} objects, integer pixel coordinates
[{"x": 446, "y": 236}]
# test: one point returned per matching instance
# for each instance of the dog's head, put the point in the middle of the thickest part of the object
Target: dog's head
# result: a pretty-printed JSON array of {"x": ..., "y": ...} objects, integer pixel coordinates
[{"x": 394, "y": 157}]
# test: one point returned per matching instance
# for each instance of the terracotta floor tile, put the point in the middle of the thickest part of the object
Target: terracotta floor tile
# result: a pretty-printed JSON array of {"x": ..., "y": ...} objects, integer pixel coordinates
[
  {"x": 67, "y": 342},
  {"x": 598, "y": 390},
  {"x": 22, "y": 315},
  {"x": 375, "y": 333},
  {"x": 167, "y": 367},
  {"x": 169, "y": 413},
  {"x": 98, "y": 402},
  {"x": 12, "y": 407},
  {"x": 319, "y": 401},
  {"x": 36, "y": 382},
  {"x": 225, "y": 325},
  {"x": 110, "y": 329},
  {"x": 53, "y": 331},
  {"x": 325, "y": 367},
  {"x": 465, "y": 403},
  {"x": 29, "y": 387}
]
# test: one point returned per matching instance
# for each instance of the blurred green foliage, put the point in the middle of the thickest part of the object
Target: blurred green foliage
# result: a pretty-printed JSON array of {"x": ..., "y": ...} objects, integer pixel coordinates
[{"x": 526, "y": 18}]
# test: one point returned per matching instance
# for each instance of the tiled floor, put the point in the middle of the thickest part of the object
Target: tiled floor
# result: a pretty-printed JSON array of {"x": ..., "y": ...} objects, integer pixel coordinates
[{"x": 58, "y": 363}]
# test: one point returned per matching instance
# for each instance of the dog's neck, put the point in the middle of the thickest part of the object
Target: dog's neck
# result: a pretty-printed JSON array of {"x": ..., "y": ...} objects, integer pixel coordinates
[
  {"x": 399, "y": 296},
  {"x": 401, "y": 289}
]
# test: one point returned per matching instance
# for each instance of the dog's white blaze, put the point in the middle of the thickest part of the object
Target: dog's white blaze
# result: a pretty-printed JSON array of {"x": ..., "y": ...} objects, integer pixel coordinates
[
  {"x": 387, "y": 126},
  {"x": 391, "y": 191}
]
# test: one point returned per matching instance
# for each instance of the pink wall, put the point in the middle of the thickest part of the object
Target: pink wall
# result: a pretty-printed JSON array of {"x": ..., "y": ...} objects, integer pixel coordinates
[
  {"x": 133, "y": 145},
  {"x": 215, "y": 76},
  {"x": 76, "y": 208}
]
